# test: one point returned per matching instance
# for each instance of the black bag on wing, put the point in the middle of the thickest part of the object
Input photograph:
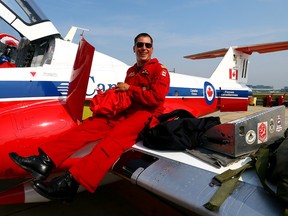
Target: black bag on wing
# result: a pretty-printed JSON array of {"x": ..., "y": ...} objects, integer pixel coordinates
[{"x": 177, "y": 130}]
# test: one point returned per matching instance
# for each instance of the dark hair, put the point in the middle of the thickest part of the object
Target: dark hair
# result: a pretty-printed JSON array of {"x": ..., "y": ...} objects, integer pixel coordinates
[{"x": 142, "y": 35}]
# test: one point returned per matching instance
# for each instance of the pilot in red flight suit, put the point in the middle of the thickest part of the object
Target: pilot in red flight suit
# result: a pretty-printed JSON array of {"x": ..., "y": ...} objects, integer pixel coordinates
[{"x": 147, "y": 83}]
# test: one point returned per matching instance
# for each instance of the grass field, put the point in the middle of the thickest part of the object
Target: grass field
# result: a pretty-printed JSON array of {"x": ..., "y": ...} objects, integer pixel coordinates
[{"x": 86, "y": 112}]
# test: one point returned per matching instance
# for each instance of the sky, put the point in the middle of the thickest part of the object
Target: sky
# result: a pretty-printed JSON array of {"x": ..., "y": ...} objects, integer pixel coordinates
[{"x": 181, "y": 28}]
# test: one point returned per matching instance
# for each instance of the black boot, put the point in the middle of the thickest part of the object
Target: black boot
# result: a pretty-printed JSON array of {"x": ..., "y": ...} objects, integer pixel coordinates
[
  {"x": 40, "y": 166},
  {"x": 60, "y": 188}
]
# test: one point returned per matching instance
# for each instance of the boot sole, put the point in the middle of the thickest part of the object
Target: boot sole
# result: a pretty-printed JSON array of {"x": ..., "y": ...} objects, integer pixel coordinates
[{"x": 64, "y": 199}]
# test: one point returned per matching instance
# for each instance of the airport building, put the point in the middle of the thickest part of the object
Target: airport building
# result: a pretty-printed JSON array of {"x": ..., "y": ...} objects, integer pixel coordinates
[
  {"x": 267, "y": 89},
  {"x": 261, "y": 88}
]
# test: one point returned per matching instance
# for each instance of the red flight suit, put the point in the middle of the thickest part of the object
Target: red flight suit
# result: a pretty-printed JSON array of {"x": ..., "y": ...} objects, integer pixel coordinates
[{"x": 148, "y": 88}]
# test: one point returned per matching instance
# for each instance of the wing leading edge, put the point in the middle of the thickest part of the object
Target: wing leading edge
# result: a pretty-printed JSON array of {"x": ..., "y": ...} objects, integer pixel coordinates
[{"x": 259, "y": 48}]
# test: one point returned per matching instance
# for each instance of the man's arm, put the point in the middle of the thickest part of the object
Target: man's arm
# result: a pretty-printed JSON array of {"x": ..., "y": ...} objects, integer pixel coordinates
[{"x": 154, "y": 96}]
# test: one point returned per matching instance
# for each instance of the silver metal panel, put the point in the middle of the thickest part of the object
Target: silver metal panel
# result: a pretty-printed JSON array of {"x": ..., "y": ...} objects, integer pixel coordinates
[
  {"x": 188, "y": 187},
  {"x": 245, "y": 135}
]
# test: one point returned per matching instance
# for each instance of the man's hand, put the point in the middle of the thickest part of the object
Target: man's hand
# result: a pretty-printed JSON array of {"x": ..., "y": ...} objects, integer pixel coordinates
[{"x": 121, "y": 86}]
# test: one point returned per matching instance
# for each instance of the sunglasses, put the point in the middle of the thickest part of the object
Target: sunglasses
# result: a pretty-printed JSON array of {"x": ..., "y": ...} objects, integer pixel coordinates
[{"x": 141, "y": 44}]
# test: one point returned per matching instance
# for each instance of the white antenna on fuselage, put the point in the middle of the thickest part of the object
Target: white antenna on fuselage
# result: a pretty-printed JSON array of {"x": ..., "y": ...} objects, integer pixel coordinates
[{"x": 71, "y": 33}]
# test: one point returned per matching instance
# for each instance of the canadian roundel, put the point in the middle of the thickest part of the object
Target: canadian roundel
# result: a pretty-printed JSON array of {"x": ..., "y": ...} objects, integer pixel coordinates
[{"x": 209, "y": 93}]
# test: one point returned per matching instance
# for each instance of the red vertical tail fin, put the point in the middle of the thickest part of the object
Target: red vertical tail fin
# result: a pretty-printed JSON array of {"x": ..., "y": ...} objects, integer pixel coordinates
[{"x": 79, "y": 79}]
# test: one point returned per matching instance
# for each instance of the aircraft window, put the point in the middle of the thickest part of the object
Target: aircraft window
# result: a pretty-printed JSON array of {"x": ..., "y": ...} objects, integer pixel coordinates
[
  {"x": 24, "y": 54},
  {"x": 26, "y": 10},
  {"x": 49, "y": 53}
]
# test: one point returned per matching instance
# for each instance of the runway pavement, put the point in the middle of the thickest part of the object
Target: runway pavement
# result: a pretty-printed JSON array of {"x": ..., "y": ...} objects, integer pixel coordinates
[{"x": 120, "y": 198}]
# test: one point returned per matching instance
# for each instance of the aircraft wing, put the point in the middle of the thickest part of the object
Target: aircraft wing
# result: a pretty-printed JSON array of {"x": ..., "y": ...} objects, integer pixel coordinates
[
  {"x": 210, "y": 54},
  {"x": 184, "y": 179},
  {"x": 172, "y": 177},
  {"x": 260, "y": 48},
  {"x": 264, "y": 48}
]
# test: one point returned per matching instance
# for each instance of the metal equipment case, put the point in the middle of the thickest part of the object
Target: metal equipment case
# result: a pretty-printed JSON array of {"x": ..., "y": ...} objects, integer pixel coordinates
[{"x": 245, "y": 135}]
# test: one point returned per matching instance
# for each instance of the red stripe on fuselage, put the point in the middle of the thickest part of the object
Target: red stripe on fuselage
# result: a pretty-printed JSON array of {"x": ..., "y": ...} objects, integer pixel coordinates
[{"x": 197, "y": 106}]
